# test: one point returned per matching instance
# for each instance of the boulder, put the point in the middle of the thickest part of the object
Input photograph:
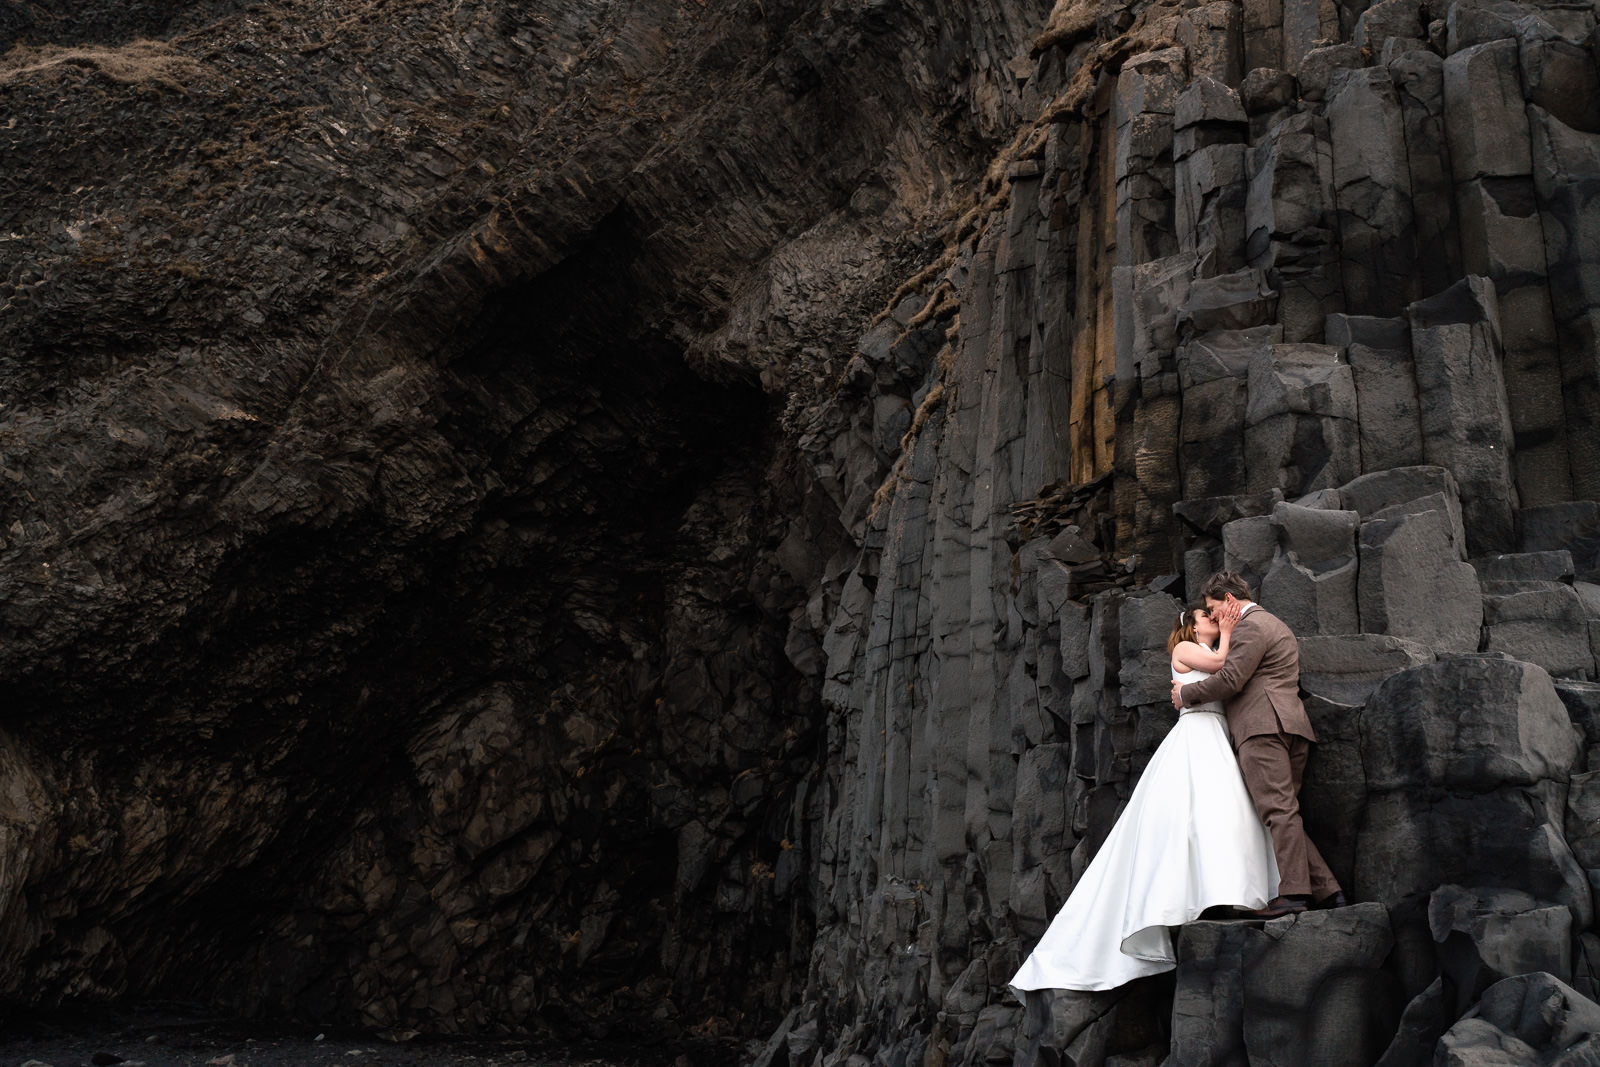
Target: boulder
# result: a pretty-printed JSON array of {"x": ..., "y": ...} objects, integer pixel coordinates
[
  {"x": 1321, "y": 65},
  {"x": 1222, "y": 354},
  {"x": 1143, "y": 627},
  {"x": 1390, "y": 415},
  {"x": 1467, "y": 761},
  {"x": 1566, "y": 174},
  {"x": 1392, "y": 334},
  {"x": 1525, "y": 1019},
  {"x": 1418, "y": 75},
  {"x": 1470, "y": 722},
  {"x": 1490, "y": 934},
  {"x": 1209, "y": 515},
  {"x": 1333, "y": 793},
  {"x": 1288, "y": 222},
  {"x": 1582, "y": 700},
  {"x": 1586, "y": 965},
  {"x": 1150, "y": 82},
  {"x": 1042, "y": 838},
  {"x": 1209, "y": 209},
  {"x": 1210, "y": 34},
  {"x": 1208, "y": 99},
  {"x": 1265, "y": 90},
  {"x": 1229, "y": 302},
  {"x": 1558, "y": 75},
  {"x": 1249, "y": 546},
  {"x": 1386, "y": 19},
  {"x": 1511, "y": 837},
  {"x": 1209, "y": 440},
  {"x": 1059, "y": 1023},
  {"x": 1319, "y": 538},
  {"x": 1474, "y": 22},
  {"x": 1372, "y": 188}
]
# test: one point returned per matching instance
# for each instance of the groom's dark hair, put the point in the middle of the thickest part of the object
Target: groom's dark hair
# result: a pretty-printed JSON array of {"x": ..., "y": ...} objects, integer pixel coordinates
[{"x": 1220, "y": 584}]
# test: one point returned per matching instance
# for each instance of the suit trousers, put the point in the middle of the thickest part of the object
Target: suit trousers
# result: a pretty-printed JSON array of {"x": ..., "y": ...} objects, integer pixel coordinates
[{"x": 1272, "y": 765}]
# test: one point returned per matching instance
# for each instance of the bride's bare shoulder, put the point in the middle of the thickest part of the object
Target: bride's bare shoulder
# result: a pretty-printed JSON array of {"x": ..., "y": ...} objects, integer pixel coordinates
[{"x": 1178, "y": 662}]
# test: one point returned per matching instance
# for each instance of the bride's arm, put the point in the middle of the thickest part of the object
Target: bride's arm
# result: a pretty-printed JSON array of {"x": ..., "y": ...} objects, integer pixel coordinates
[
  {"x": 1192, "y": 656},
  {"x": 1189, "y": 656}
]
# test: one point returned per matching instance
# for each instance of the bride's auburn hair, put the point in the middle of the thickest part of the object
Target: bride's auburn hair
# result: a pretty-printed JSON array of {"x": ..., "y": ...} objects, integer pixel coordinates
[{"x": 1183, "y": 629}]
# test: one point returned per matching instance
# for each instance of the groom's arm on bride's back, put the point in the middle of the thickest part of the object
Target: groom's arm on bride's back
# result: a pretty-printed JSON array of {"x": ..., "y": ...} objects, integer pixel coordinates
[{"x": 1243, "y": 656}]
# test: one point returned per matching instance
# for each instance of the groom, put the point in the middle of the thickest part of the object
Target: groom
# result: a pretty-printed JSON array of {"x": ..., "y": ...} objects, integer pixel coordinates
[{"x": 1260, "y": 686}]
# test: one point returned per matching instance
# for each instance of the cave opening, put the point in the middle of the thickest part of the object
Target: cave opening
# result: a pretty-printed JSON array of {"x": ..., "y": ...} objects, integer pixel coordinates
[{"x": 611, "y": 609}]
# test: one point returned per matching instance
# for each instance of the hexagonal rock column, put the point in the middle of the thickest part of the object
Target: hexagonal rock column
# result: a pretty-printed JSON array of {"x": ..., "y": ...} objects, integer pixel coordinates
[
  {"x": 1467, "y": 761},
  {"x": 1293, "y": 991},
  {"x": 1311, "y": 585},
  {"x": 1412, "y": 580},
  {"x": 1300, "y": 426},
  {"x": 1466, "y": 422}
]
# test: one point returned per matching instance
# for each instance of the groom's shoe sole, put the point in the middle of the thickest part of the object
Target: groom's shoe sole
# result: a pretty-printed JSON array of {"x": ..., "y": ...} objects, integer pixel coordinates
[{"x": 1278, "y": 907}]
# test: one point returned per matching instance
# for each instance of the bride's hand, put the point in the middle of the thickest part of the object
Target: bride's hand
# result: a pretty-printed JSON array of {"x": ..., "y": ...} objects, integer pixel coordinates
[{"x": 1226, "y": 618}]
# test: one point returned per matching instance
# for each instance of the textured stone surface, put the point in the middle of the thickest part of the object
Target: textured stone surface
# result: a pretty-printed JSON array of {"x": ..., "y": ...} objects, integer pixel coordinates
[
  {"x": 1411, "y": 581},
  {"x": 1488, "y": 935},
  {"x": 1315, "y": 989},
  {"x": 1541, "y": 622},
  {"x": 1466, "y": 422},
  {"x": 1347, "y": 668},
  {"x": 666, "y": 520},
  {"x": 1530, "y": 1018},
  {"x": 1467, "y": 758},
  {"x": 1274, "y": 992},
  {"x": 1467, "y": 720}
]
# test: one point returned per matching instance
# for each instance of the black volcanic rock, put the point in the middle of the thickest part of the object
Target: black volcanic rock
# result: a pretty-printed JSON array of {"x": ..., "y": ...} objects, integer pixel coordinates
[{"x": 653, "y": 521}]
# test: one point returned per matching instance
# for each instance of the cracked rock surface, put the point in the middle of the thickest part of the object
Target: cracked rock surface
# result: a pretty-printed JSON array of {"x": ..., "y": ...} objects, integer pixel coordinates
[{"x": 662, "y": 521}]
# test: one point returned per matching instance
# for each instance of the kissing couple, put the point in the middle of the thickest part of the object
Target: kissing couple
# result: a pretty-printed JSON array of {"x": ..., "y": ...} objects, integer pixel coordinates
[{"x": 1215, "y": 818}]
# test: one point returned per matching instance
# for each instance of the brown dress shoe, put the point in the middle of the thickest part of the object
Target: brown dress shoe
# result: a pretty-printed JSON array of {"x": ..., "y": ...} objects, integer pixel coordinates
[
  {"x": 1279, "y": 906},
  {"x": 1333, "y": 900}
]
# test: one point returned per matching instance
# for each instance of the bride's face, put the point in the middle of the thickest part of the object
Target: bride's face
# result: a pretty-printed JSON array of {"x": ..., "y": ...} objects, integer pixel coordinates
[{"x": 1204, "y": 628}]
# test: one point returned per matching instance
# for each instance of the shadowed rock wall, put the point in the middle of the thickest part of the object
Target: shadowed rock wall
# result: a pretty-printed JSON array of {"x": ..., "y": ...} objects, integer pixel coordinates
[{"x": 665, "y": 521}]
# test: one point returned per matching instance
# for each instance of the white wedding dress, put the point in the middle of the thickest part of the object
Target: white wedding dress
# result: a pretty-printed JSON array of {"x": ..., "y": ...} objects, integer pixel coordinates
[{"x": 1188, "y": 839}]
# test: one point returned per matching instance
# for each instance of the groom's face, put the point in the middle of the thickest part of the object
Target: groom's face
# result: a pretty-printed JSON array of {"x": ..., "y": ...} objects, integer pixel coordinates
[{"x": 1213, "y": 605}]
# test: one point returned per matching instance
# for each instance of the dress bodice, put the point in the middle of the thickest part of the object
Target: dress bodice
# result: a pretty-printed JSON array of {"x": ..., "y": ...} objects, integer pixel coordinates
[{"x": 1186, "y": 677}]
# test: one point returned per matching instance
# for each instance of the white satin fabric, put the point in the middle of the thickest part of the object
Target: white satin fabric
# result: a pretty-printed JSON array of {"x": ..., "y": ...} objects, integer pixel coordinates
[{"x": 1188, "y": 839}]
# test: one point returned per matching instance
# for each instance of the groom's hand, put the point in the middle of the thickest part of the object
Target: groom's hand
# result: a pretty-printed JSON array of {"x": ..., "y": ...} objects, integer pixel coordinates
[{"x": 1177, "y": 695}]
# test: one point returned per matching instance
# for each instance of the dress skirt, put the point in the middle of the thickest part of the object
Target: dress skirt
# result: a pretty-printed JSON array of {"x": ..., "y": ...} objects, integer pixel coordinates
[{"x": 1188, "y": 839}]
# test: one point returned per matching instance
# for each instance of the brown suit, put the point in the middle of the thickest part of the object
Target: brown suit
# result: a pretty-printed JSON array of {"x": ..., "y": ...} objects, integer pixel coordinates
[
  {"x": 1260, "y": 681},
  {"x": 1259, "y": 685}
]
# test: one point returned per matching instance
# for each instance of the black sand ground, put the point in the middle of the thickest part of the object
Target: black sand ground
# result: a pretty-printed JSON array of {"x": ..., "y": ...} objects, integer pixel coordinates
[{"x": 150, "y": 1038}]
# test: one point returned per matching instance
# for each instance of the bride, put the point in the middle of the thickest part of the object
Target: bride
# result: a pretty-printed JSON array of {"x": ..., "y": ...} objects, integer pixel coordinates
[{"x": 1188, "y": 839}]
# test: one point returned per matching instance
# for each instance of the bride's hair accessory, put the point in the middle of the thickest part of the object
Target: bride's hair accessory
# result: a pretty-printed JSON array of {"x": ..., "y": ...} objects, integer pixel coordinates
[{"x": 1181, "y": 614}]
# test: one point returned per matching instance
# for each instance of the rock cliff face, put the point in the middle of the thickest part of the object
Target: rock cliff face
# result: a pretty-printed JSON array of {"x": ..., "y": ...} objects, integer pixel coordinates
[{"x": 665, "y": 520}]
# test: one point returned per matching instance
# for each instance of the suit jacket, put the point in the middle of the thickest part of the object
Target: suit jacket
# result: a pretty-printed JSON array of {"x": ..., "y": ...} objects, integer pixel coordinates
[{"x": 1259, "y": 683}]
